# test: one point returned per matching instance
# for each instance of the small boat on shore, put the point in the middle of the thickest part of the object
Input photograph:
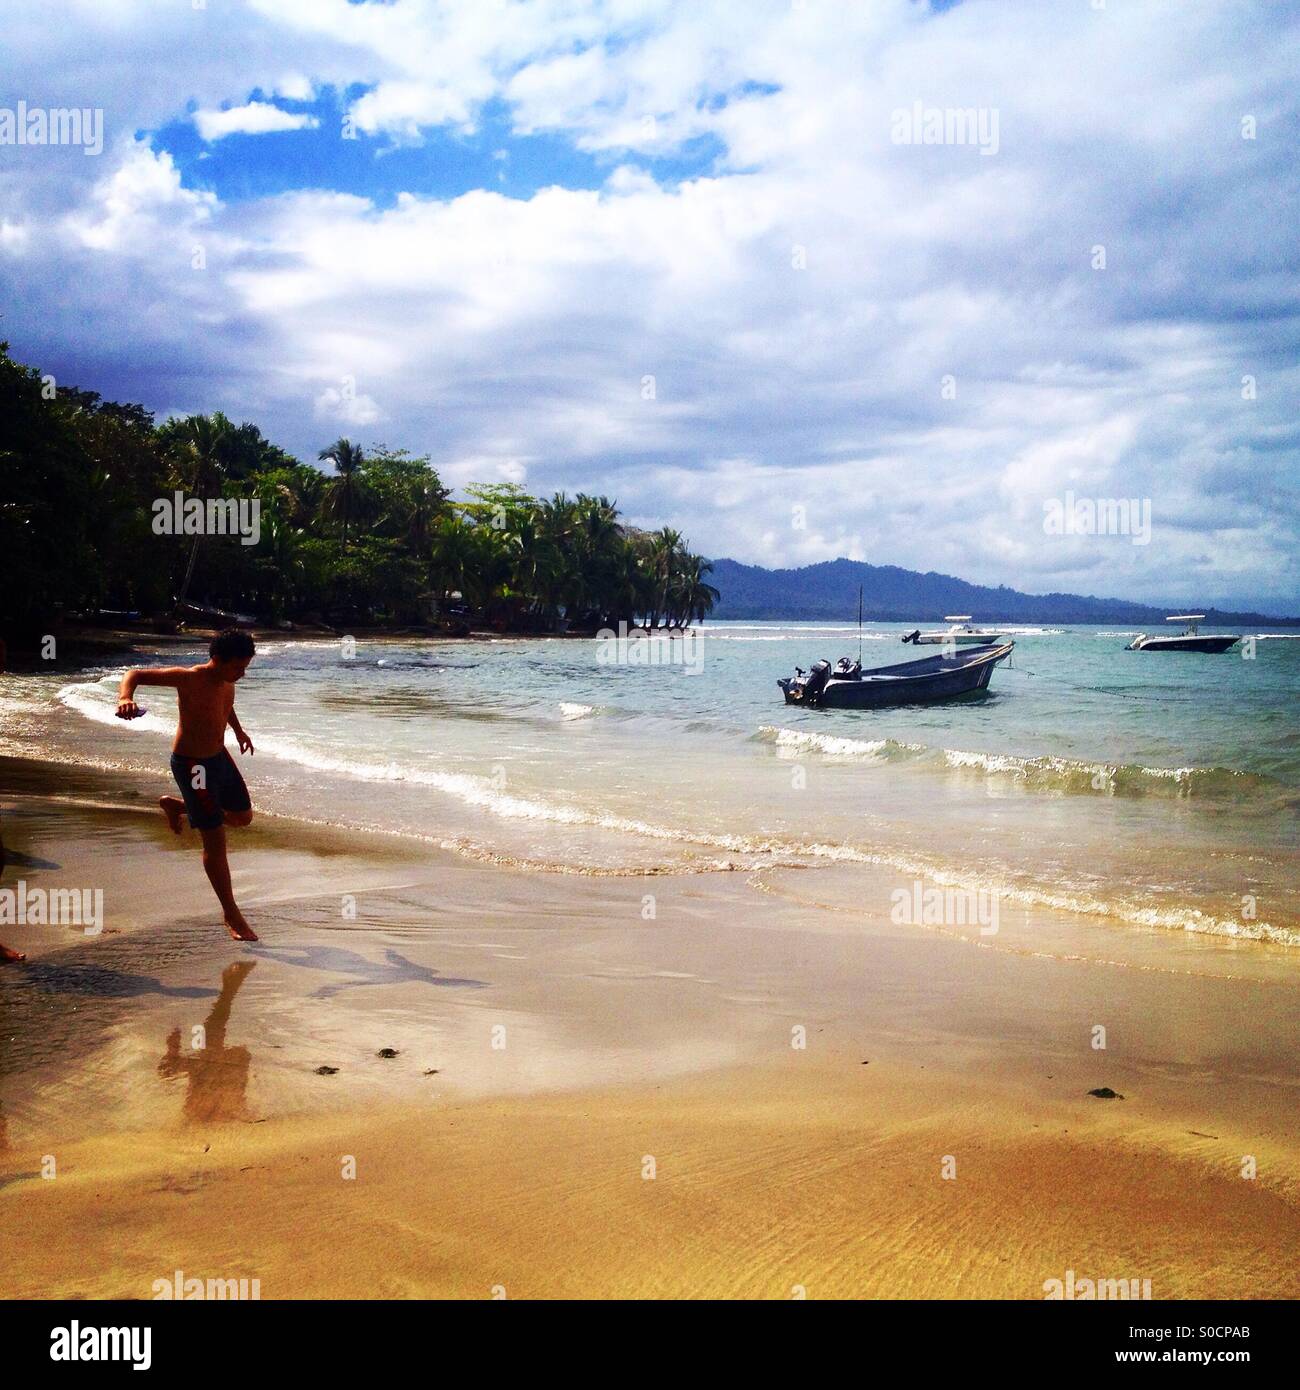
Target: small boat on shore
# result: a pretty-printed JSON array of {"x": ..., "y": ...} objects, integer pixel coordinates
[
  {"x": 925, "y": 682},
  {"x": 960, "y": 634},
  {"x": 214, "y": 617},
  {"x": 1189, "y": 640}
]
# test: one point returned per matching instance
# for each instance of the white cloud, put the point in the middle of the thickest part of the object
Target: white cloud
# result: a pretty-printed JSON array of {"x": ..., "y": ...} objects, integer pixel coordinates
[
  {"x": 13, "y": 236},
  {"x": 141, "y": 204},
  {"x": 345, "y": 406},
  {"x": 294, "y": 86},
  {"x": 256, "y": 118}
]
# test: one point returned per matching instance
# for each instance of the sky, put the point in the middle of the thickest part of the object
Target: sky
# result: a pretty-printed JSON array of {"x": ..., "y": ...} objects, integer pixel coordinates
[{"x": 741, "y": 265}]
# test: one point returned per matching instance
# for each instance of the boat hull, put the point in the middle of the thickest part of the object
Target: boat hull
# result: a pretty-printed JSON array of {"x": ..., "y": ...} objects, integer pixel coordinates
[
  {"x": 925, "y": 682},
  {"x": 953, "y": 637},
  {"x": 1199, "y": 643}
]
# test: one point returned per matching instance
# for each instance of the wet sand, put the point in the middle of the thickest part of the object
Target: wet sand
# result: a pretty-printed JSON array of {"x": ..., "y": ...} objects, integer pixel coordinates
[{"x": 727, "y": 1091}]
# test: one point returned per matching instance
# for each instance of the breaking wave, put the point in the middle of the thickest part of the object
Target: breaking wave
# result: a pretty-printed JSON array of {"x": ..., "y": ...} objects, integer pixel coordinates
[{"x": 1053, "y": 774}]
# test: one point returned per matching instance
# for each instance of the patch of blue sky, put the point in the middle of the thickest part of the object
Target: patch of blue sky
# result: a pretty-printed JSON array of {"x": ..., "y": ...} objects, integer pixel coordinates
[
  {"x": 443, "y": 163},
  {"x": 716, "y": 101}
]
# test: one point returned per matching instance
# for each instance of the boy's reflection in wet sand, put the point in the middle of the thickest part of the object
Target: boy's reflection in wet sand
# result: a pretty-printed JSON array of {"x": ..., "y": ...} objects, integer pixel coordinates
[
  {"x": 217, "y": 1074},
  {"x": 8, "y": 956}
]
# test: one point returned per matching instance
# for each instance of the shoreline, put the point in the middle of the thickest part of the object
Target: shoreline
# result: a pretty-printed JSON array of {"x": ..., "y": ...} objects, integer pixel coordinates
[
  {"x": 1075, "y": 818},
  {"x": 1057, "y": 931},
  {"x": 83, "y": 646},
  {"x": 778, "y": 1164}
]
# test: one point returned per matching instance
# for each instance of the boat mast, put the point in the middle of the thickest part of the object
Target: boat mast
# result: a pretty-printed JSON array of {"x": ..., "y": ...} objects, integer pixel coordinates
[{"x": 859, "y": 624}]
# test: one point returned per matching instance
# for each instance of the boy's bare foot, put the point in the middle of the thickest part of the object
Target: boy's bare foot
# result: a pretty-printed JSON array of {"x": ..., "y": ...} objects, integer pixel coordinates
[
  {"x": 173, "y": 808},
  {"x": 239, "y": 929},
  {"x": 11, "y": 957}
]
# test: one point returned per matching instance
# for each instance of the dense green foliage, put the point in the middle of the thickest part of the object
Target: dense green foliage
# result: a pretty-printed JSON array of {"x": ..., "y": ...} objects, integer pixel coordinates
[{"x": 380, "y": 540}]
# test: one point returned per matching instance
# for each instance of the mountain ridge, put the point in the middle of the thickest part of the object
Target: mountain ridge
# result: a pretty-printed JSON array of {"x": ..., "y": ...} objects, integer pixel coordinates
[{"x": 829, "y": 589}]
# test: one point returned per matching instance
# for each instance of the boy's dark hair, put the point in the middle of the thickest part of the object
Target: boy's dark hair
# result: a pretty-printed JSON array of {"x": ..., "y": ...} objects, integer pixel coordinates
[{"x": 231, "y": 645}]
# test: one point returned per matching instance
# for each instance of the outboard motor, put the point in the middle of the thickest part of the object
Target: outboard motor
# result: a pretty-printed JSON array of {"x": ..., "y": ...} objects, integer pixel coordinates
[
  {"x": 816, "y": 682},
  {"x": 912, "y": 637}
]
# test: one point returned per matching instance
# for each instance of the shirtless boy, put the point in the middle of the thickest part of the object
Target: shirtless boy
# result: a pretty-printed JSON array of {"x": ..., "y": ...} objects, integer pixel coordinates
[{"x": 213, "y": 793}]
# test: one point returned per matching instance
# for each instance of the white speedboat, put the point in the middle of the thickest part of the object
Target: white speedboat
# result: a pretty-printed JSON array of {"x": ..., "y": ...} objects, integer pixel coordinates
[
  {"x": 960, "y": 634},
  {"x": 1189, "y": 640}
]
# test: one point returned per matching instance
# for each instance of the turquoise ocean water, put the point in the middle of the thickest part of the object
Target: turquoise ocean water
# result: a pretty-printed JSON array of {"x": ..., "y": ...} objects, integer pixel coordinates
[{"x": 1149, "y": 790}]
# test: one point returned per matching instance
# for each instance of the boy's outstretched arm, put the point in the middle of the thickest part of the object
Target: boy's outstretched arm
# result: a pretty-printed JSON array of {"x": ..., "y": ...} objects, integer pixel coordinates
[
  {"x": 245, "y": 743},
  {"x": 148, "y": 675}
]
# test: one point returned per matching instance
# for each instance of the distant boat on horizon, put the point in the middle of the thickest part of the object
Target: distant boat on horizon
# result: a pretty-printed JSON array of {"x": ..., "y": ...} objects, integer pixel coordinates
[
  {"x": 1189, "y": 640},
  {"x": 961, "y": 634}
]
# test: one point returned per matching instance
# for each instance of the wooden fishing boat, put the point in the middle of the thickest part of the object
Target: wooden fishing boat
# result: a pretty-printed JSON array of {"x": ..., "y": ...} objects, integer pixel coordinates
[{"x": 925, "y": 682}]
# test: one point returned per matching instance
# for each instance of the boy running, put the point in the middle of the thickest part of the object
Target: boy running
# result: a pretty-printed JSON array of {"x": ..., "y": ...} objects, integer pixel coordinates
[{"x": 212, "y": 791}]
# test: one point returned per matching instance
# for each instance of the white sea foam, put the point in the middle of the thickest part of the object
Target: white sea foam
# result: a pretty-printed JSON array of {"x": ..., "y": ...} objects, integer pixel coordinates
[
  {"x": 789, "y": 635},
  {"x": 834, "y": 746},
  {"x": 1058, "y": 773},
  {"x": 483, "y": 794},
  {"x": 1067, "y": 774},
  {"x": 89, "y": 699},
  {"x": 783, "y": 627}
]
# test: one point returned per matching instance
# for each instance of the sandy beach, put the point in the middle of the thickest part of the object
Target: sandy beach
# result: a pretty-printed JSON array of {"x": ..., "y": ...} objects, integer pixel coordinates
[
  {"x": 649, "y": 652},
  {"x": 723, "y": 1090}
]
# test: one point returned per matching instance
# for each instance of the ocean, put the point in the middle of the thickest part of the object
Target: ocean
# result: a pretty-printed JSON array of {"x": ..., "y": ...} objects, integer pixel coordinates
[{"x": 1137, "y": 792}]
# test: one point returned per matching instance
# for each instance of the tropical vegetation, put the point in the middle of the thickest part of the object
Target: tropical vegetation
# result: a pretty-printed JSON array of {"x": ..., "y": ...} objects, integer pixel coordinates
[{"x": 378, "y": 539}]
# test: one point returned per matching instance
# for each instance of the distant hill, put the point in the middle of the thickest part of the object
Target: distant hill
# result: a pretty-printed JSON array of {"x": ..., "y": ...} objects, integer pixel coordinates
[{"x": 830, "y": 591}]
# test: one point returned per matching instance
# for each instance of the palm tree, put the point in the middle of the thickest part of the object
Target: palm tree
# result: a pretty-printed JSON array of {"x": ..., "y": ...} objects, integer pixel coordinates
[
  {"x": 344, "y": 491},
  {"x": 205, "y": 438},
  {"x": 284, "y": 518},
  {"x": 559, "y": 524},
  {"x": 696, "y": 597},
  {"x": 422, "y": 504},
  {"x": 536, "y": 569},
  {"x": 462, "y": 561},
  {"x": 665, "y": 547},
  {"x": 600, "y": 546}
]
